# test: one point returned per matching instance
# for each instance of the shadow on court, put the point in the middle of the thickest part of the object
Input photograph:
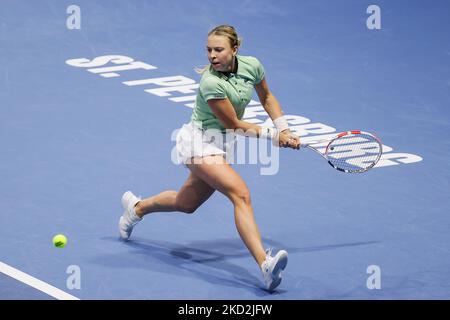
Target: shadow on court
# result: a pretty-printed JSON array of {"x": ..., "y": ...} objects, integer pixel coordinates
[{"x": 215, "y": 262}]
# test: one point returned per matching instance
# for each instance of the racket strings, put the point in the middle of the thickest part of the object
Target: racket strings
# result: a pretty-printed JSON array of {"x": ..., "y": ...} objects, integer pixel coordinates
[{"x": 354, "y": 153}]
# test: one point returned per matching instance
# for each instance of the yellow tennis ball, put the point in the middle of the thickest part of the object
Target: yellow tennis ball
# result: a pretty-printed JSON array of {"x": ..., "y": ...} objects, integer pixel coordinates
[{"x": 60, "y": 241}]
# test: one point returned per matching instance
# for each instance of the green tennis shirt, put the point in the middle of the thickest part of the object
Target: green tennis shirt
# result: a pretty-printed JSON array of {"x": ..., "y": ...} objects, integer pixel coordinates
[{"x": 237, "y": 87}]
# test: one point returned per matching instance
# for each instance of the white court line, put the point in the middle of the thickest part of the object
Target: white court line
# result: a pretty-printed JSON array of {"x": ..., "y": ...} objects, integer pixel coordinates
[{"x": 35, "y": 283}]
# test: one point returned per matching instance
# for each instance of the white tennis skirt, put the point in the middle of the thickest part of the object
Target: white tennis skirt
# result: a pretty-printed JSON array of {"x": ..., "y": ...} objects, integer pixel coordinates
[{"x": 193, "y": 142}]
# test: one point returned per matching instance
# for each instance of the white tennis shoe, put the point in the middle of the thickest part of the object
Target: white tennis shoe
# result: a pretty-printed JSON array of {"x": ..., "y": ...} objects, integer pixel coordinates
[
  {"x": 129, "y": 218},
  {"x": 271, "y": 268}
]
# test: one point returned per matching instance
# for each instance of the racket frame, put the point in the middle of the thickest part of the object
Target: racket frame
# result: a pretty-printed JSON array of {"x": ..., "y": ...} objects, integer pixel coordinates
[{"x": 340, "y": 135}]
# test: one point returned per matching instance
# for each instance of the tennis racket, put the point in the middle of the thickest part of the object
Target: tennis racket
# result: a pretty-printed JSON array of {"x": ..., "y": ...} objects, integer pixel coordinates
[{"x": 350, "y": 151}]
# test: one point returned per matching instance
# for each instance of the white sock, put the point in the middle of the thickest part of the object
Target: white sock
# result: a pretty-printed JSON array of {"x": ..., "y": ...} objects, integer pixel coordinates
[{"x": 133, "y": 216}]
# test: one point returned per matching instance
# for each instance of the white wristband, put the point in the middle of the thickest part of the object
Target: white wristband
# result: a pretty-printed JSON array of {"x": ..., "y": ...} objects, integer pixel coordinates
[
  {"x": 272, "y": 134},
  {"x": 281, "y": 123}
]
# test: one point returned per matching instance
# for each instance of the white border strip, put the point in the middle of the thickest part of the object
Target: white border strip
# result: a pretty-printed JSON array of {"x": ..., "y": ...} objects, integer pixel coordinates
[{"x": 35, "y": 283}]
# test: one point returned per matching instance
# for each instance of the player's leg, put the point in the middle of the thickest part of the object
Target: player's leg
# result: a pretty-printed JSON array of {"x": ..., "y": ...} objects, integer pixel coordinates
[
  {"x": 221, "y": 176},
  {"x": 191, "y": 195}
]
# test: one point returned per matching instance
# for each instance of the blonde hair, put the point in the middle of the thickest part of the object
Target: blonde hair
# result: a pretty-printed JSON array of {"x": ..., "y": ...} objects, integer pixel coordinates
[{"x": 226, "y": 31}]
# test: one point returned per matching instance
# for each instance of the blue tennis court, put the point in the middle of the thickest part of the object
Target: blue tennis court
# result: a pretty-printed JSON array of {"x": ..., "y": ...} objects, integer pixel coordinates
[{"x": 79, "y": 125}]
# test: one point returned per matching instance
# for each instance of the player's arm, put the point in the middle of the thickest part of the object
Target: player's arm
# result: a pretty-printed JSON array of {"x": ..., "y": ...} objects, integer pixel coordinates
[
  {"x": 273, "y": 108},
  {"x": 268, "y": 100},
  {"x": 224, "y": 111}
]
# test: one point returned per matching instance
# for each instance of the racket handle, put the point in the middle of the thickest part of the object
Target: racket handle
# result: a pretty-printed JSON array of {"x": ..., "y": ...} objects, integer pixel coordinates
[
  {"x": 304, "y": 145},
  {"x": 307, "y": 144}
]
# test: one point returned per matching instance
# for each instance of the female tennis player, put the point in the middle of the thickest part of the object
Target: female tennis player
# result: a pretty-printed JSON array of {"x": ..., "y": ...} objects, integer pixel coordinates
[{"x": 225, "y": 90}]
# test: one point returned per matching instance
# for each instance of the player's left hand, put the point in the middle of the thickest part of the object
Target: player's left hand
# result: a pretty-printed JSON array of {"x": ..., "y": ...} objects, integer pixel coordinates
[{"x": 289, "y": 140}]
